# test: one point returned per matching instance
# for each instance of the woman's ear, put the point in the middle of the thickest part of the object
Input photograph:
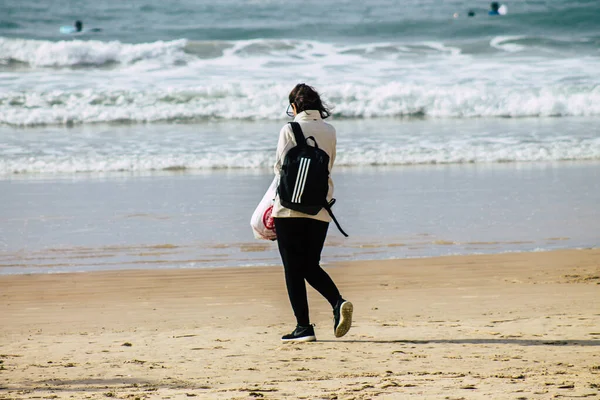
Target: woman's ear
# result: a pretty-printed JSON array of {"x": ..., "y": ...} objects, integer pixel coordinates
[{"x": 294, "y": 108}]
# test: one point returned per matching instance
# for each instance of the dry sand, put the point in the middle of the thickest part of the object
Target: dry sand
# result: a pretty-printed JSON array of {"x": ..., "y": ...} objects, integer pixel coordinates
[{"x": 509, "y": 326}]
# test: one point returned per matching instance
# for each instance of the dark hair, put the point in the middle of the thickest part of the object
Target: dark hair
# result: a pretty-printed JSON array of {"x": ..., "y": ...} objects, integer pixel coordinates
[
  {"x": 495, "y": 6},
  {"x": 305, "y": 97},
  {"x": 78, "y": 26}
]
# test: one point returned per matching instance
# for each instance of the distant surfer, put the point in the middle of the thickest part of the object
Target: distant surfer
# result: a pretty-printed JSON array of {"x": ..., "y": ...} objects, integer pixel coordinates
[
  {"x": 494, "y": 8},
  {"x": 77, "y": 28},
  {"x": 497, "y": 9},
  {"x": 471, "y": 13}
]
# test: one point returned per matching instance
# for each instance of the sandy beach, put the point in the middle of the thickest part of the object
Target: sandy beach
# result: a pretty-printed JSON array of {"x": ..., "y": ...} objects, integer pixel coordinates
[
  {"x": 507, "y": 326},
  {"x": 134, "y": 151}
]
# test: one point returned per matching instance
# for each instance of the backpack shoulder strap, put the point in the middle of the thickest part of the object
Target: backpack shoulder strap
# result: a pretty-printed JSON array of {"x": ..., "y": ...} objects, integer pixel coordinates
[
  {"x": 327, "y": 206},
  {"x": 298, "y": 134}
]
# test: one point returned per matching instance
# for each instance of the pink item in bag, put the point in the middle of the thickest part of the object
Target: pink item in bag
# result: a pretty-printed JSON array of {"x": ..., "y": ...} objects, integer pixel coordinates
[{"x": 262, "y": 222}]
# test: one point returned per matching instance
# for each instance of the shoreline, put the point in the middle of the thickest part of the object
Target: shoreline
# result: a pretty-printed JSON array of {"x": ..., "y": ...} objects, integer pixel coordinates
[
  {"x": 264, "y": 244},
  {"x": 482, "y": 326}
]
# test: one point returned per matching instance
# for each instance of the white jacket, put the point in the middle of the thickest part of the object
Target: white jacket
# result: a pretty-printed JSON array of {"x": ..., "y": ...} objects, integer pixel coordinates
[{"x": 312, "y": 125}]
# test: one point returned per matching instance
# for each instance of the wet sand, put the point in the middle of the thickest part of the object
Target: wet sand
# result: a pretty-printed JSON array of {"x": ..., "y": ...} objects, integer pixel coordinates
[{"x": 505, "y": 326}]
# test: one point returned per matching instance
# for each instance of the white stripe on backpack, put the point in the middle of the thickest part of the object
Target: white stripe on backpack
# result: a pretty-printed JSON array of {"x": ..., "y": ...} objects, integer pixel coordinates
[{"x": 300, "y": 180}]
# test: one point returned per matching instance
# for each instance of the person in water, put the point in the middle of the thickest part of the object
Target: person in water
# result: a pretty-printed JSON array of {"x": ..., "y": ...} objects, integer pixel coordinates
[
  {"x": 494, "y": 8},
  {"x": 78, "y": 28}
]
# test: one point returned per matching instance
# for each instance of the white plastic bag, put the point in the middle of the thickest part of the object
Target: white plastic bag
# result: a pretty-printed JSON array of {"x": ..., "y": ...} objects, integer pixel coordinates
[{"x": 262, "y": 222}]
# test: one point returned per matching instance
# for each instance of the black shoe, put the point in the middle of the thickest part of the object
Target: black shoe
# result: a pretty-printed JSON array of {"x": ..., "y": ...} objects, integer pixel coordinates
[
  {"x": 300, "y": 334},
  {"x": 342, "y": 317}
]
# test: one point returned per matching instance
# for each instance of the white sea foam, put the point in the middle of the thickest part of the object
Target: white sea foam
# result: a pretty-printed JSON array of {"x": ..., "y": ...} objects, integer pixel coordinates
[
  {"x": 145, "y": 150},
  {"x": 254, "y": 102},
  {"x": 187, "y": 81},
  {"x": 182, "y": 81},
  {"x": 504, "y": 43},
  {"x": 76, "y": 53},
  {"x": 40, "y": 53},
  {"x": 95, "y": 53}
]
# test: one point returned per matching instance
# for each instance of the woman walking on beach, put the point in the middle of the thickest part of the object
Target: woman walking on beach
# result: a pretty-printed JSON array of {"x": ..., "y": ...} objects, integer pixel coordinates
[{"x": 300, "y": 236}]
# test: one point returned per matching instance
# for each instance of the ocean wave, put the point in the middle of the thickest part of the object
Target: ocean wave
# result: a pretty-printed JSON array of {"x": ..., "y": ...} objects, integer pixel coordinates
[
  {"x": 508, "y": 43},
  {"x": 79, "y": 53},
  {"x": 252, "y": 102},
  {"x": 465, "y": 152},
  {"x": 186, "y": 81},
  {"x": 96, "y": 54}
]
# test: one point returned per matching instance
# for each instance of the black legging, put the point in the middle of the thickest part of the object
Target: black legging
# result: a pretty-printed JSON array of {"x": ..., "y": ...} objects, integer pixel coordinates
[{"x": 300, "y": 242}]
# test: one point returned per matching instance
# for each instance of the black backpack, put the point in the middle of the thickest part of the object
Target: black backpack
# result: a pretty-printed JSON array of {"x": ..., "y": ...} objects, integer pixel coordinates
[{"x": 304, "y": 181}]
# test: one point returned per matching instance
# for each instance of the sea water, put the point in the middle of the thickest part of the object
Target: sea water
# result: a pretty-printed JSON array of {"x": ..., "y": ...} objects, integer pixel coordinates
[
  {"x": 194, "y": 93},
  {"x": 237, "y": 60},
  {"x": 83, "y": 222}
]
